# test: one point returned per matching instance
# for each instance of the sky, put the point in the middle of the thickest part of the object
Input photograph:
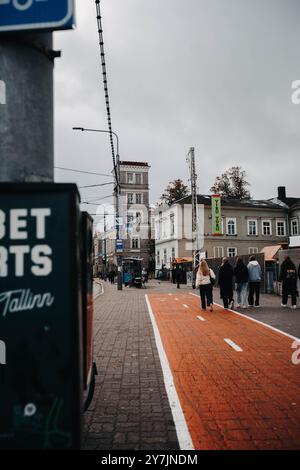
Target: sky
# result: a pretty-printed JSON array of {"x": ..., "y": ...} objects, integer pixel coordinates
[{"x": 215, "y": 75}]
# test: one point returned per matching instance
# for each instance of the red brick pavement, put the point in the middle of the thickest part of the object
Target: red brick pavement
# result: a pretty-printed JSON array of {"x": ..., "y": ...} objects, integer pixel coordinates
[{"x": 230, "y": 399}]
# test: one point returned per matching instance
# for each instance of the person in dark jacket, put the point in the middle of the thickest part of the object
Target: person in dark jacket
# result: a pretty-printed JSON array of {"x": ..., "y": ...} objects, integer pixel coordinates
[
  {"x": 226, "y": 283},
  {"x": 241, "y": 276},
  {"x": 178, "y": 276},
  {"x": 288, "y": 277}
]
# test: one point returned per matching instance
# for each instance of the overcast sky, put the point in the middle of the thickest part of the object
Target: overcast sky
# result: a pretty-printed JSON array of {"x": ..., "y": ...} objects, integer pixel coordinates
[{"x": 212, "y": 74}]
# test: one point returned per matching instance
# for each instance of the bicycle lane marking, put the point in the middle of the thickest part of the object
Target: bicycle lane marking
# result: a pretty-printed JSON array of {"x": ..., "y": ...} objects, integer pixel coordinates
[
  {"x": 218, "y": 386},
  {"x": 184, "y": 438}
]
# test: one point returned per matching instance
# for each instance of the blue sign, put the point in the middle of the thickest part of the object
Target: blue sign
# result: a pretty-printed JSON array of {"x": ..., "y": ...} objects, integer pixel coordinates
[
  {"x": 18, "y": 15},
  {"x": 119, "y": 246}
]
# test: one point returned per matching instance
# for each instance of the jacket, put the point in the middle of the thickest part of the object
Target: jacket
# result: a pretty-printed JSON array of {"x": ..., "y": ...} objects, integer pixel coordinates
[
  {"x": 241, "y": 273},
  {"x": 254, "y": 271},
  {"x": 288, "y": 275},
  {"x": 204, "y": 280},
  {"x": 226, "y": 280}
]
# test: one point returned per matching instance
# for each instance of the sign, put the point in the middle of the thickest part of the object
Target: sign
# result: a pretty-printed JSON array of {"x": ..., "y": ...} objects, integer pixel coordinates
[
  {"x": 119, "y": 246},
  {"x": 19, "y": 15},
  {"x": 216, "y": 214},
  {"x": 40, "y": 317}
]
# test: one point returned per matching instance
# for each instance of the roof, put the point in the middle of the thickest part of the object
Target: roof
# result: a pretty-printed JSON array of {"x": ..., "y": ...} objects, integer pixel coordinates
[
  {"x": 128, "y": 163},
  {"x": 231, "y": 202},
  {"x": 270, "y": 252},
  {"x": 183, "y": 260}
]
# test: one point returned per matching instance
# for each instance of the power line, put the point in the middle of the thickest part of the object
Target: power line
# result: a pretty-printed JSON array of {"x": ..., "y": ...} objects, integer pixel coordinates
[
  {"x": 81, "y": 171},
  {"x": 104, "y": 74},
  {"x": 94, "y": 185}
]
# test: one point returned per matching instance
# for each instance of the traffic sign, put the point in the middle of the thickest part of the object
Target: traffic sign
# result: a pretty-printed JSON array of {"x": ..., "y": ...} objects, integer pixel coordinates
[
  {"x": 18, "y": 15},
  {"x": 119, "y": 246}
]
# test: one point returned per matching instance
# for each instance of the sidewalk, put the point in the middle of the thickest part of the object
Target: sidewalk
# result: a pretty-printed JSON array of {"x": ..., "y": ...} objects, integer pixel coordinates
[{"x": 130, "y": 409}]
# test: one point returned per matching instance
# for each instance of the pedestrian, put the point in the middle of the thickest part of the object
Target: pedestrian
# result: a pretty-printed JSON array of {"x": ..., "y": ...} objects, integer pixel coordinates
[
  {"x": 241, "y": 276},
  {"x": 112, "y": 275},
  {"x": 178, "y": 276},
  {"x": 226, "y": 283},
  {"x": 254, "y": 273},
  {"x": 288, "y": 277},
  {"x": 204, "y": 280}
]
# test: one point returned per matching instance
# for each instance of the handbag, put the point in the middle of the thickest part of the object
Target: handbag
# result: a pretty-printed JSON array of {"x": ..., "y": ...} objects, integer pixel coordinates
[{"x": 212, "y": 280}]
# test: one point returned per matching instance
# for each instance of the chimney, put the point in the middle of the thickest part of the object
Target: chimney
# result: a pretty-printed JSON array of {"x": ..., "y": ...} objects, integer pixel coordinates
[{"x": 281, "y": 192}]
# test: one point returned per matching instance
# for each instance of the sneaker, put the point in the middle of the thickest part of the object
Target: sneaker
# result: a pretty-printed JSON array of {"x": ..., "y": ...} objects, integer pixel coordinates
[
  {"x": 256, "y": 306},
  {"x": 294, "y": 307},
  {"x": 238, "y": 306},
  {"x": 244, "y": 306},
  {"x": 231, "y": 304},
  {"x": 211, "y": 307},
  {"x": 250, "y": 305},
  {"x": 283, "y": 305}
]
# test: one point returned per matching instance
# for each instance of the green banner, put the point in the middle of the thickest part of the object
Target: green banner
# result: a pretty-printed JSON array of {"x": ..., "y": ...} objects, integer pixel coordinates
[{"x": 216, "y": 214}]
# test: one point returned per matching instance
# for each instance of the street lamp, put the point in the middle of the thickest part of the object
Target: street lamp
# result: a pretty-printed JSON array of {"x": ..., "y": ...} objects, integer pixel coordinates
[{"x": 117, "y": 195}]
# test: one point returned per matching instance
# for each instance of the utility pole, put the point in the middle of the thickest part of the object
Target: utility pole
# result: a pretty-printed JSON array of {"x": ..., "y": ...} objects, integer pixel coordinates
[
  {"x": 195, "y": 229},
  {"x": 118, "y": 222},
  {"x": 105, "y": 251},
  {"x": 26, "y": 132}
]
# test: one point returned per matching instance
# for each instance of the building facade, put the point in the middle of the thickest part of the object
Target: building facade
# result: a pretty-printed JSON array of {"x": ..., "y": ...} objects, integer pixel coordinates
[
  {"x": 247, "y": 227},
  {"x": 134, "y": 211}
]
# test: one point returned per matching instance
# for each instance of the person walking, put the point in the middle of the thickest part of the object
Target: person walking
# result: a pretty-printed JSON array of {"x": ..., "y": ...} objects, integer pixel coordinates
[
  {"x": 255, "y": 273},
  {"x": 288, "y": 277},
  {"x": 226, "y": 283},
  {"x": 178, "y": 276},
  {"x": 204, "y": 280},
  {"x": 241, "y": 276}
]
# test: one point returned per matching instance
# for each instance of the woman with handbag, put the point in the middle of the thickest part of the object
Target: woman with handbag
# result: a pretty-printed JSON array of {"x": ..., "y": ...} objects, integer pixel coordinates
[{"x": 205, "y": 280}]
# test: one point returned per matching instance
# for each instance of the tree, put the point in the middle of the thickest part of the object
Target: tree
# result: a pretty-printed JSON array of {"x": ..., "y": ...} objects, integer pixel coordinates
[
  {"x": 232, "y": 184},
  {"x": 175, "y": 190}
]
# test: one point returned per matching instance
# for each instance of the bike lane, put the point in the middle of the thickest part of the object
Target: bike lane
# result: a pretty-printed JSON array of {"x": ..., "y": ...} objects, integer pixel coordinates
[{"x": 236, "y": 383}]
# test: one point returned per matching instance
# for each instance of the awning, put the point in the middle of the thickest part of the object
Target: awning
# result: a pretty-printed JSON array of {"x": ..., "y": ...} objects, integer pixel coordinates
[{"x": 270, "y": 252}]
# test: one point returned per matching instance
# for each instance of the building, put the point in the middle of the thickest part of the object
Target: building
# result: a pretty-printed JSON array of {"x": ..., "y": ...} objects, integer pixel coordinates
[
  {"x": 134, "y": 212},
  {"x": 247, "y": 227}
]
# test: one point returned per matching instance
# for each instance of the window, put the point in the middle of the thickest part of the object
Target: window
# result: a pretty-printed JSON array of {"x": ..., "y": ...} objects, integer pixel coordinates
[
  {"x": 173, "y": 252},
  {"x": 138, "y": 198},
  {"x": 138, "y": 217},
  {"x": 231, "y": 252},
  {"x": 294, "y": 227},
  {"x": 138, "y": 178},
  {"x": 252, "y": 250},
  {"x": 172, "y": 225},
  {"x": 231, "y": 226},
  {"x": 135, "y": 243},
  {"x": 252, "y": 227},
  {"x": 158, "y": 258},
  {"x": 218, "y": 252},
  {"x": 129, "y": 198},
  {"x": 280, "y": 228},
  {"x": 165, "y": 256},
  {"x": 266, "y": 227},
  {"x": 129, "y": 178}
]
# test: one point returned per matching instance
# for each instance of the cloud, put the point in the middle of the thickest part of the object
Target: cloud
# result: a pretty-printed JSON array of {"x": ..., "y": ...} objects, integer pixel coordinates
[{"x": 212, "y": 74}]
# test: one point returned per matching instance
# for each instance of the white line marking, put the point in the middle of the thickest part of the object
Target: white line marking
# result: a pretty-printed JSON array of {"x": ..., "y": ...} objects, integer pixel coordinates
[
  {"x": 185, "y": 306},
  {"x": 233, "y": 345},
  {"x": 184, "y": 437},
  {"x": 201, "y": 318},
  {"x": 256, "y": 321},
  {"x": 261, "y": 323}
]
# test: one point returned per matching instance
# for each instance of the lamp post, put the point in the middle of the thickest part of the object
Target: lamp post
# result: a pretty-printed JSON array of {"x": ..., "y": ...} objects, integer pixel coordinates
[{"x": 117, "y": 196}]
